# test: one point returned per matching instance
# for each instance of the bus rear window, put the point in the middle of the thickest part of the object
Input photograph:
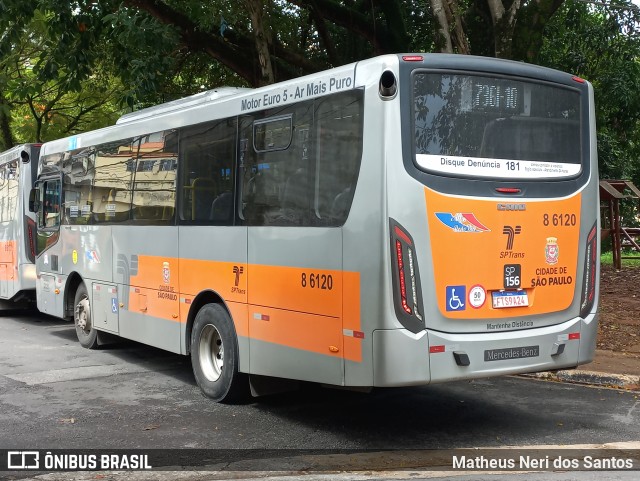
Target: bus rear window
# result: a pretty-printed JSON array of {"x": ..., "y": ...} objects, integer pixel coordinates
[{"x": 480, "y": 126}]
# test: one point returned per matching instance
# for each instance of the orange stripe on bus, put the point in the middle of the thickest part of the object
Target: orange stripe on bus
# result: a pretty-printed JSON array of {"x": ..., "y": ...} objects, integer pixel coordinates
[
  {"x": 240, "y": 315},
  {"x": 299, "y": 307},
  {"x": 308, "y": 332},
  {"x": 155, "y": 303},
  {"x": 351, "y": 315},
  {"x": 8, "y": 255},
  {"x": 7, "y": 251},
  {"x": 228, "y": 279},
  {"x": 316, "y": 291}
]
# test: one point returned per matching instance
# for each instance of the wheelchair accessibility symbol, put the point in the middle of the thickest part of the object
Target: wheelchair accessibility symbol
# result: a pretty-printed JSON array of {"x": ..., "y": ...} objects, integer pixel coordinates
[{"x": 456, "y": 296}]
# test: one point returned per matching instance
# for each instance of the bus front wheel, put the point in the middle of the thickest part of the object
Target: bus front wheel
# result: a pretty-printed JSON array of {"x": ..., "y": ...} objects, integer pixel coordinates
[
  {"x": 87, "y": 335},
  {"x": 214, "y": 356}
]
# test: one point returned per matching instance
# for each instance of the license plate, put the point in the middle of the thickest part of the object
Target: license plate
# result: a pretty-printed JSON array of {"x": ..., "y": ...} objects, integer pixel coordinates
[{"x": 501, "y": 299}]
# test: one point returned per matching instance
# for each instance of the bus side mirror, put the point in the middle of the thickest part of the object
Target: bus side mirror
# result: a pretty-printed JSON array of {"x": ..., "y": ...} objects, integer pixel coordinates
[
  {"x": 34, "y": 205},
  {"x": 24, "y": 155}
]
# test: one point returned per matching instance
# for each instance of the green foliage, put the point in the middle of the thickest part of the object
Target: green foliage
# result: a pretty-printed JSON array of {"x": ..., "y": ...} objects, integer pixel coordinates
[
  {"x": 139, "y": 51},
  {"x": 67, "y": 65},
  {"x": 422, "y": 27},
  {"x": 601, "y": 43},
  {"x": 78, "y": 37}
]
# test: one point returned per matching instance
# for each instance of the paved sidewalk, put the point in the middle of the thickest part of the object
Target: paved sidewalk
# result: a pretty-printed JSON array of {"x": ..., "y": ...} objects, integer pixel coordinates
[{"x": 608, "y": 369}]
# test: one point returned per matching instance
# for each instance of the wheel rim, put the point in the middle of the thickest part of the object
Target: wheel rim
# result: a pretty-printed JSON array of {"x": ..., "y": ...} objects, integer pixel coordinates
[
  {"x": 83, "y": 316},
  {"x": 211, "y": 353}
]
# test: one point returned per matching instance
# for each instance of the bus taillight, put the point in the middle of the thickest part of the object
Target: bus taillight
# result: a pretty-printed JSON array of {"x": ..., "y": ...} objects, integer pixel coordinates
[
  {"x": 508, "y": 190},
  {"x": 403, "y": 283},
  {"x": 590, "y": 271},
  {"x": 406, "y": 279}
]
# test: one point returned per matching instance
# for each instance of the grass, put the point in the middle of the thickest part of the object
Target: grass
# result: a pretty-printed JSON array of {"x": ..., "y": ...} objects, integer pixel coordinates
[{"x": 634, "y": 261}]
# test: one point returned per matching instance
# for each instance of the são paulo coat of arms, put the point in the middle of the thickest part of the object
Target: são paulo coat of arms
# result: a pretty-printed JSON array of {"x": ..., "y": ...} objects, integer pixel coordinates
[{"x": 552, "y": 251}]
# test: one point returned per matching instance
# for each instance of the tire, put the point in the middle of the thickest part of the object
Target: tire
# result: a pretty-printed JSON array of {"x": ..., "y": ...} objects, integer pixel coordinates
[
  {"x": 87, "y": 335},
  {"x": 215, "y": 358}
]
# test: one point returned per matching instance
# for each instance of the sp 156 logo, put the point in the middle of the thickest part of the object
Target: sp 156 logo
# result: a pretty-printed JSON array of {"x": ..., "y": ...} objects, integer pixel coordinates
[{"x": 512, "y": 276}]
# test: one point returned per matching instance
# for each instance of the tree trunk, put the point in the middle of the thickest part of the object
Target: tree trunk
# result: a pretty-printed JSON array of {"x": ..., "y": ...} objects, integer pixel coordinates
[
  {"x": 528, "y": 35},
  {"x": 458, "y": 35},
  {"x": 443, "y": 40},
  {"x": 504, "y": 23},
  {"x": 262, "y": 36},
  {"x": 453, "y": 38},
  {"x": 5, "y": 124}
]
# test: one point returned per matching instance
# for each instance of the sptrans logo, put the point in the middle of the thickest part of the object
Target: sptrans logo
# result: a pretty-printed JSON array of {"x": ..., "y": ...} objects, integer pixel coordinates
[{"x": 511, "y": 233}]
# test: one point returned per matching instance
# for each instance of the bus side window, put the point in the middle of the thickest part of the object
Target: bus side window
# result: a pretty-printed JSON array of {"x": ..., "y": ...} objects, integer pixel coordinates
[
  {"x": 339, "y": 130},
  {"x": 153, "y": 196},
  {"x": 207, "y": 153},
  {"x": 261, "y": 195},
  {"x": 276, "y": 156},
  {"x": 295, "y": 194},
  {"x": 51, "y": 204},
  {"x": 204, "y": 193},
  {"x": 9, "y": 191},
  {"x": 222, "y": 208}
]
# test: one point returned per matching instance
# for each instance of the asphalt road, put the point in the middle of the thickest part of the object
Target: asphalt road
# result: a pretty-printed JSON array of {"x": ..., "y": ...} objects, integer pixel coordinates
[{"x": 56, "y": 395}]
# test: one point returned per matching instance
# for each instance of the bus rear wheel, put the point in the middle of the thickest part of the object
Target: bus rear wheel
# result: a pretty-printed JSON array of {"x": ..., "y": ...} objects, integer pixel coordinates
[
  {"x": 215, "y": 357},
  {"x": 87, "y": 335}
]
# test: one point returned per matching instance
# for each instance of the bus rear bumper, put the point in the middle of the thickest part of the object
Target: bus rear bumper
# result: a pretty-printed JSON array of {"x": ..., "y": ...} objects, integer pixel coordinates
[{"x": 404, "y": 358}]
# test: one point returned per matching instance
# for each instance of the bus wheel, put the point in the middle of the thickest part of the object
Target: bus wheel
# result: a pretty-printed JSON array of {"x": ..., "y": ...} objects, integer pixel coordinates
[
  {"x": 214, "y": 356},
  {"x": 87, "y": 335}
]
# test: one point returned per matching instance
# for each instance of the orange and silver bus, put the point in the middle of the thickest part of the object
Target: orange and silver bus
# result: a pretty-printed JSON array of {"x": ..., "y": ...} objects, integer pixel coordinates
[
  {"x": 403, "y": 220},
  {"x": 18, "y": 168}
]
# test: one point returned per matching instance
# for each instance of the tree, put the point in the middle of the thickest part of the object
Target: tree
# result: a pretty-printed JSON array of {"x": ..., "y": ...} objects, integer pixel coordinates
[
  {"x": 149, "y": 51},
  {"x": 602, "y": 44},
  {"x": 56, "y": 68},
  {"x": 266, "y": 41},
  {"x": 451, "y": 35},
  {"x": 34, "y": 110}
]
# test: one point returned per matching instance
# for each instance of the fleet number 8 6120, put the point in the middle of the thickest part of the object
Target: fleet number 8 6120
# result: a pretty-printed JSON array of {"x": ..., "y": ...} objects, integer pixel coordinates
[
  {"x": 561, "y": 220},
  {"x": 316, "y": 281}
]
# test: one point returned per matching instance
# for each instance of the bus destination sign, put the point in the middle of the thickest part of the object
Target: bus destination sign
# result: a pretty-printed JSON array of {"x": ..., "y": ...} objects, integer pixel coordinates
[{"x": 496, "y": 95}]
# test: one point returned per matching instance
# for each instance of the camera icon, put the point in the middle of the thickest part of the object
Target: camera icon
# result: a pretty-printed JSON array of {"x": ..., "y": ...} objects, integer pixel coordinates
[{"x": 23, "y": 460}]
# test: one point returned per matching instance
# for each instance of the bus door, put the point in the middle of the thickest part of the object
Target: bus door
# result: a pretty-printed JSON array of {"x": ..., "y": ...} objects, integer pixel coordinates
[
  {"x": 295, "y": 261},
  {"x": 49, "y": 250}
]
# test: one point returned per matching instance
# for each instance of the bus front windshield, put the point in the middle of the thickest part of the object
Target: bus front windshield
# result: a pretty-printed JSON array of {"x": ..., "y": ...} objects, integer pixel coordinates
[{"x": 480, "y": 126}]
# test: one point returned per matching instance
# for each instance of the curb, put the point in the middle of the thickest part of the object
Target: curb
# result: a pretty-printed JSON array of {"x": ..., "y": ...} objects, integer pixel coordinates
[{"x": 592, "y": 378}]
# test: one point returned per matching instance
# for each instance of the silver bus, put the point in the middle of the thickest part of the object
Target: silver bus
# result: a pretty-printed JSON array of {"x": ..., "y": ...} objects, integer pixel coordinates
[
  {"x": 403, "y": 220},
  {"x": 18, "y": 167}
]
